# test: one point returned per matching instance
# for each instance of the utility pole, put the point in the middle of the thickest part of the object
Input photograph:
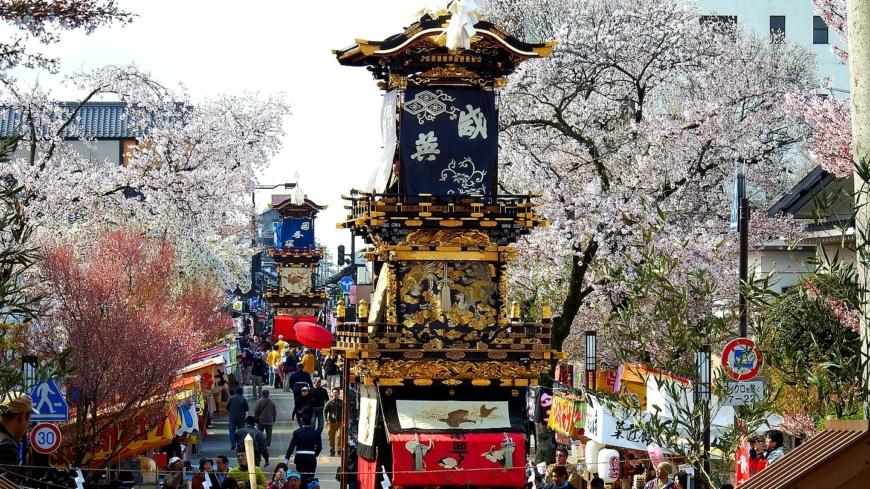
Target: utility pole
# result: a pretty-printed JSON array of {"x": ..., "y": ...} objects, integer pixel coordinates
[{"x": 858, "y": 15}]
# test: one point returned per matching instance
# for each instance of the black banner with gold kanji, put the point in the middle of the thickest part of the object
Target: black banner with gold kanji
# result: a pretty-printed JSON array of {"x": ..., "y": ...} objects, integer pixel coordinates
[{"x": 449, "y": 142}]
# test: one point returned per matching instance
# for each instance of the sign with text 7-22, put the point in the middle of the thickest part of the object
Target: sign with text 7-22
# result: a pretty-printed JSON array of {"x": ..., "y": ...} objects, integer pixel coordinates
[{"x": 743, "y": 393}]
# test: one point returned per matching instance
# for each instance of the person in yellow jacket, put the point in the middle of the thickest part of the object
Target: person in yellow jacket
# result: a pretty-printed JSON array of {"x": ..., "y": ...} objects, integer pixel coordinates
[
  {"x": 309, "y": 361},
  {"x": 240, "y": 473},
  {"x": 273, "y": 360}
]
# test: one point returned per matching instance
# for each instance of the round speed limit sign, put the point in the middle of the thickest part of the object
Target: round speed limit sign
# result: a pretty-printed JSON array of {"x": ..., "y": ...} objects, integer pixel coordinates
[{"x": 45, "y": 438}]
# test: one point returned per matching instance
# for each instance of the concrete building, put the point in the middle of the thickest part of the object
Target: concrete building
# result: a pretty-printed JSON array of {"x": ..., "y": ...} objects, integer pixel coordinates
[
  {"x": 799, "y": 23},
  {"x": 820, "y": 202}
]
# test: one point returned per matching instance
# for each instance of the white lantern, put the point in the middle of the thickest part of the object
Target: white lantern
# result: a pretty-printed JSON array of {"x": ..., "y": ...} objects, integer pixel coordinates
[
  {"x": 592, "y": 448},
  {"x": 608, "y": 465}
]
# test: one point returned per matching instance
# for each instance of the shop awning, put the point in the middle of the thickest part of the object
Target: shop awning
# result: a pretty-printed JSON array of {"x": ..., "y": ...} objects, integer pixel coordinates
[
  {"x": 458, "y": 459},
  {"x": 202, "y": 364},
  {"x": 567, "y": 416},
  {"x": 154, "y": 425},
  {"x": 211, "y": 352},
  {"x": 602, "y": 426}
]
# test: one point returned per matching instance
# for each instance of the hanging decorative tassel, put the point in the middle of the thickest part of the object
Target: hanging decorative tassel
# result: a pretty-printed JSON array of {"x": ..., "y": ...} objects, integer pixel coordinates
[
  {"x": 508, "y": 447},
  {"x": 461, "y": 27},
  {"x": 446, "y": 303}
]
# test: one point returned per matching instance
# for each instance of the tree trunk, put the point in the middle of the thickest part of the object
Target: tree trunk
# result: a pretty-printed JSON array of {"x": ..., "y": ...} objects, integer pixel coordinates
[
  {"x": 859, "y": 68},
  {"x": 561, "y": 326}
]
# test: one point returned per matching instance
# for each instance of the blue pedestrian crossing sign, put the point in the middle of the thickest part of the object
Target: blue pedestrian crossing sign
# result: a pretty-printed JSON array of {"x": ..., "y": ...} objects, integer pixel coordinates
[
  {"x": 49, "y": 404},
  {"x": 346, "y": 283}
]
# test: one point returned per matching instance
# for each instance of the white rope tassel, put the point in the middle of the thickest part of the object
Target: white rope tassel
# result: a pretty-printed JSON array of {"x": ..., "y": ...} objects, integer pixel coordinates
[{"x": 461, "y": 27}]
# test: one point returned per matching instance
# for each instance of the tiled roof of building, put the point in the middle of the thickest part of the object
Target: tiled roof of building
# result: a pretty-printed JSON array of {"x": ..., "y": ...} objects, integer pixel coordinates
[
  {"x": 100, "y": 120},
  {"x": 828, "y": 456}
]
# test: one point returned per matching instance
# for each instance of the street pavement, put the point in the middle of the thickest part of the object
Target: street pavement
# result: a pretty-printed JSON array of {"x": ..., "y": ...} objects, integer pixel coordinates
[{"x": 217, "y": 441}]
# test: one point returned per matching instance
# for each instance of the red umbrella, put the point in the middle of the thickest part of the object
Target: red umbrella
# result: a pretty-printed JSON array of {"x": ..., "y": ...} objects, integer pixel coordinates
[{"x": 312, "y": 335}]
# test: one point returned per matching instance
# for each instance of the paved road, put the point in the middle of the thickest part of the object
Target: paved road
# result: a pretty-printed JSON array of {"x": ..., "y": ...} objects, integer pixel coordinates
[{"x": 217, "y": 442}]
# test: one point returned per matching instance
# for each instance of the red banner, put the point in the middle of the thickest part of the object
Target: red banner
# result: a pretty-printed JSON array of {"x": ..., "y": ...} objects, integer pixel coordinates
[
  {"x": 743, "y": 461},
  {"x": 366, "y": 473},
  {"x": 478, "y": 459}
]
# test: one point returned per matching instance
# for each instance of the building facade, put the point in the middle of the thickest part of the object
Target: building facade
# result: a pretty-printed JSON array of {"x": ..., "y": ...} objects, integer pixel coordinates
[{"x": 798, "y": 22}]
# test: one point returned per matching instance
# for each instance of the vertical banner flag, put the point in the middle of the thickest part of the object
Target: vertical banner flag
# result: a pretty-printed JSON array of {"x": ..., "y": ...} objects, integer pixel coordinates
[
  {"x": 380, "y": 177},
  {"x": 739, "y": 193},
  {"x": 294, "y": 233},
  {"x": 449, "y": 142}
]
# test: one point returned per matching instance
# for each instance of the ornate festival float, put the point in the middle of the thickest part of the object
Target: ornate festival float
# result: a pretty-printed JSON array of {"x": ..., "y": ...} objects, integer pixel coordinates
[
  {"x": 297, "y": 297},
  {"x": 439, "y": 355}
]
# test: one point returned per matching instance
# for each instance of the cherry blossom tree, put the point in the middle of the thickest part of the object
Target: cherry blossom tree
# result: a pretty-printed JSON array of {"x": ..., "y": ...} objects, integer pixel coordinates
[
  {"x": 111, "y": 301},
  {"x": 641, "y": 108},
  {"x": 833, "y": 12},
  {"x": 42, "y": 21},
  {"x": 188, "y": 180},
  {"x": 829, "y": 118}
]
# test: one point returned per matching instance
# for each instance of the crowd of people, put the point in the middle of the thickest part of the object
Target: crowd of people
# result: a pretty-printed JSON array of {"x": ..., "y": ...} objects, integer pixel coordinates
[
  {"x": 565, "y": 475},
  {"x": 315, "y": 407}
]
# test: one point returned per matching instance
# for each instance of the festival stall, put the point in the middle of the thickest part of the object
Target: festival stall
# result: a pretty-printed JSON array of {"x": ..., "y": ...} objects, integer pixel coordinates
[{"x": 155, "y": 424}]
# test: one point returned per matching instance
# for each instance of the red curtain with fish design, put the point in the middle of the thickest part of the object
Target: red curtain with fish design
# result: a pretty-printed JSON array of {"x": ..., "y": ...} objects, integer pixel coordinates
[{"x": 459, "y": 459}]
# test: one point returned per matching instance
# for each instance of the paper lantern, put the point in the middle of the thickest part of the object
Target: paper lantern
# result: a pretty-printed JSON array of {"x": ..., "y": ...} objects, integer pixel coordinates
[
  {"x": 608, "y": 465},
  {"x": 312, "y": 335},
  {"x": 592, "y": 448},
  {"x": 655, "y": 454}
]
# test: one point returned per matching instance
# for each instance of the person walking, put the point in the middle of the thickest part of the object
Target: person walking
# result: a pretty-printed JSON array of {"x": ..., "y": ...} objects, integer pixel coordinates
[
  {"x": 308, "y": 361},
  {"x": 237, "y": 406},
  {"x": 317, "y": 398},
  {"x": 261, "y": 449},
  {"x": 330, "y": 370},
  {"x": 332, "y": 413},
  {"x": 288, "y": 366},
  {"x": 265, "y": 414},
  {"x": 273, "y": 360},
  {"x": 259, "y": 371},
  {"x": 247, "y": 362},
  {"x": 240, "y": 473},
  {"x": 307, "y": 446}
]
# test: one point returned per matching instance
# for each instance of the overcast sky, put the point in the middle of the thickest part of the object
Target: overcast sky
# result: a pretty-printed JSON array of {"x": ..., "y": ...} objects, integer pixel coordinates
[{"x": 268, "y": 46}]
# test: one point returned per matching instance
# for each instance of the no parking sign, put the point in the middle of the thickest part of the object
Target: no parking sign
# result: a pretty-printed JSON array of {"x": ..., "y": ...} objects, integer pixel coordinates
[{"x": 741, "y": 360}]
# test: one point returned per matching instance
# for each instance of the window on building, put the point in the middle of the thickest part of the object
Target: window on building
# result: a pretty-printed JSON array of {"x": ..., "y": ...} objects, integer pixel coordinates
[
  {"x": 719, "y": 19},
  {"x": 777, "y": 28},
  {"x": 820, "y": 30},
  {"x": 721, "y": 23}
]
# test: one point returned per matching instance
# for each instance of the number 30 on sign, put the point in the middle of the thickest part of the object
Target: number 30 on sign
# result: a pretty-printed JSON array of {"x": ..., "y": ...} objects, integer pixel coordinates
[{"x": 45, "y": 438}]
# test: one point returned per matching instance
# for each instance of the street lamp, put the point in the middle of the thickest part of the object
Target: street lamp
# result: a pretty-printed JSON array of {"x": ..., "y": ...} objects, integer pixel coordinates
[
  {"x": 29, "y": 366},
  {"x": 702, "y": 395},
  {"x": 591, "y": 359}
]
